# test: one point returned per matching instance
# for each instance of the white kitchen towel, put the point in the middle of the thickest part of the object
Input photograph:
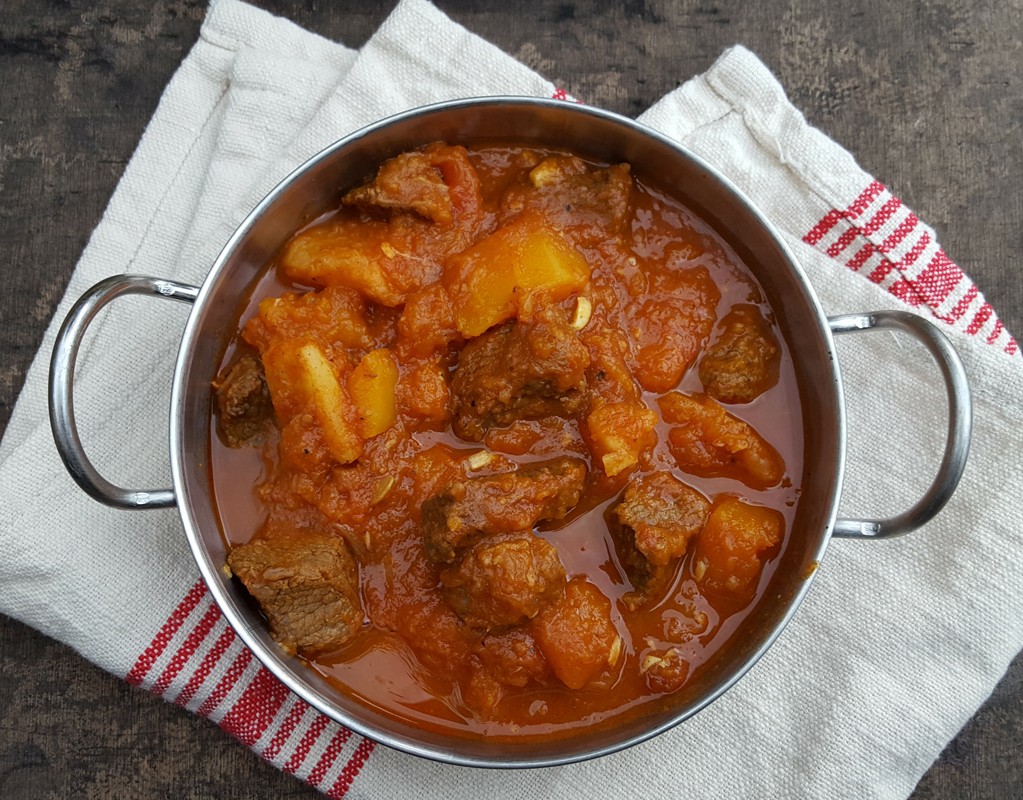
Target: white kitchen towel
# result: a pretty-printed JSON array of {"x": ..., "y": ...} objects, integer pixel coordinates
[{"x": 897, "y": 642}]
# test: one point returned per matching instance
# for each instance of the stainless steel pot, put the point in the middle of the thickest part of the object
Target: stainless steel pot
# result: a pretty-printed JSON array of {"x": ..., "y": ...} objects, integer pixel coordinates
[{"x": 315, "y": 188}]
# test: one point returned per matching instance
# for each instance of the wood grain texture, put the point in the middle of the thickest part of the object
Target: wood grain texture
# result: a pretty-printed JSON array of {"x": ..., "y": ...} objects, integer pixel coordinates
[{"x": 927, "y": 96}]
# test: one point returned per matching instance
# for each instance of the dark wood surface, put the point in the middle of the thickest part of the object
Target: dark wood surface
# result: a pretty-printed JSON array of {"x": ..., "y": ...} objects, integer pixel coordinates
[{"x": 927, "y": 95}]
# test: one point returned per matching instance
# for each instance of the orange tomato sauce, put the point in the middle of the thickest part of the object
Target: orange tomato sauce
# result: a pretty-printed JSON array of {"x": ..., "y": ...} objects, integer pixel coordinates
[{"x": 414, "y": 658}]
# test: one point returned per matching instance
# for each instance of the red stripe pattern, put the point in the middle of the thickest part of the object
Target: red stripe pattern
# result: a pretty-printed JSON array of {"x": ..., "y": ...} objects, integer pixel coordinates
[
  {"x": 197, "y": 661},
  {"x": 880, "y": 238}
]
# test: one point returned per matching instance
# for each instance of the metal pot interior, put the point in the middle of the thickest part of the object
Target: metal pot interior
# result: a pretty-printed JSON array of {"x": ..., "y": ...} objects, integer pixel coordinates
[{"x": 316, "y": 188}]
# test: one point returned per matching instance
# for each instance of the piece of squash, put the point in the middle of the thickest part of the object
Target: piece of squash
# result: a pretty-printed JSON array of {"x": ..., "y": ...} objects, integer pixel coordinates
[
  {"x": 352, "y": 254},
  {"x": 577, "y": 634},
  {"x": 619, "y": 434},
  {"x": 372, "y": 385},
  {"x": 710, "y": 442},
  {"x": 424, "y": 392},
  {"x": 494, "y": 279},
  {"x": 301, "y": 380},
  {"x": 336, "y": 314},
  {"x": 731, "y": 549}
]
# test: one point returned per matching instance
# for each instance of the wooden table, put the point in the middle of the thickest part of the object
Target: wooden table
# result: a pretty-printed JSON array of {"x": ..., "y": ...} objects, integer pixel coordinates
[{"x": 926, "y": 95}]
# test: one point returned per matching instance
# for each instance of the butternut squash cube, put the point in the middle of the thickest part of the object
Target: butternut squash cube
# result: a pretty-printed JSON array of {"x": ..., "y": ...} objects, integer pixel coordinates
[
  {"x": 372, "y": 384},
  {"x": 733, "y": 545},
  {"x": 710, "y": 442},
  {"x": 492, "y": 280},
  {"x": 301, "y": 380},
  {"x": 424, "y": 392},
  {"x": 353, "y": 255},
  {"x": 619, "y": 434},
  {"x": 335, "y": 314},
  {"x": 577, "y": 635}
]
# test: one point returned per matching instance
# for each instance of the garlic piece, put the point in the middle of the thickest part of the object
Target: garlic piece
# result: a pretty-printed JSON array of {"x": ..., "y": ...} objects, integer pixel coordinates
[
  {"x": 650, "y": 661},
  {"x": 616, "y": 651},
  {"x": 382, "y": 488},
  {"x": 479, "y": 459},
  {"x": 583, "y": 312}
]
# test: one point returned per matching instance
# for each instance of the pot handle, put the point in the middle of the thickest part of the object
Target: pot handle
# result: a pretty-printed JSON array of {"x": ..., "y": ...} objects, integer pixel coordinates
[
  {"x": 960, "y": 422},
  {"x": 62, "y": 382}
]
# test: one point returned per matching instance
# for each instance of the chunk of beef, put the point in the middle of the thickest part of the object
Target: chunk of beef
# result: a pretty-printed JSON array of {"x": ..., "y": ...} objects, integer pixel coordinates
[
  {"x": 509, "y": 659},
  {"x": 657, "y": 516},
  {"x": 308, "y": 588},
  {"x": 742, "y": 362},
  {"x": 243, "y": 401},
  {"x": 408, "y": 182},
  {"x": 421, "y": 208},
  {"x": 521, "y": 370},
  {"x": 513, "y": 658},
  {"x": 588, "y": 203},
  {"x": 506, "y": 503},
  {"x": 665, "y": 672},
  {"x": 710, "y": 442},
  {"x": 504, "y": 580},
  {"x": 731, "y": 549}
]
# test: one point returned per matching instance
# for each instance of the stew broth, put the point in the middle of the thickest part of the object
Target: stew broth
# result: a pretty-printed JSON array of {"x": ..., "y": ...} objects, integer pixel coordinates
[{"x": 423, "y": 650}]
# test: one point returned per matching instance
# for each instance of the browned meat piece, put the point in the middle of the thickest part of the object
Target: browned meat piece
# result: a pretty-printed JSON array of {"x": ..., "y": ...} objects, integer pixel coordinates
[
  {"x": 665, "y": 672},
  {"x": 307, "y": 586},
  {"x": 586, "y": 203},
  {"x": 504, "y": 580},
  {"x": 411, "y": 182},
  {"x": 742, "y": 363},
  {"x": 243, "y": 401},
  {"x": 513, "y": 658},
  {"x": 657, "y": 517},
  {"x": 506, "y": 503},
  {"x": 522, "y": 370}
]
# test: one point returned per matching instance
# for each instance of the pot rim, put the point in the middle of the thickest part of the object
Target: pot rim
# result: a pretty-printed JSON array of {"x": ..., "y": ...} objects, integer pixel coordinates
[{"x": 211, "y": 572}]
